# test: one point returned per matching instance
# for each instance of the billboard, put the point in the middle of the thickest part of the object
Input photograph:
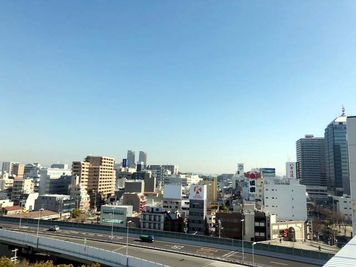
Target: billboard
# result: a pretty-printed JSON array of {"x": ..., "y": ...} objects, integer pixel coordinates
[
  {"x": 252, "y": 175},
  {"x": 124, "y": 163},
  {"x": 197, "y": 192},
  {"x": 292, "y": 170}
]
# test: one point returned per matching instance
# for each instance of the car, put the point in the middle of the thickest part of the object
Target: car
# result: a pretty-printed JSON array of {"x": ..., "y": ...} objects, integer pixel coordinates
[
  {"x": 147, "y": 238},
  {"x": 54, "y": 228}
]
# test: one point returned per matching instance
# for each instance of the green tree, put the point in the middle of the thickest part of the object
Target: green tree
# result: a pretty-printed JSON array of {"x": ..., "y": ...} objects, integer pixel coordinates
[{"x": 76, "y": 213}]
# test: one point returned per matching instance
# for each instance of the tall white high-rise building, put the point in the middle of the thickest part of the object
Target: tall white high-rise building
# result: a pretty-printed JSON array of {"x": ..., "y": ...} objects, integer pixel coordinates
[{"x": 351, "y": 140}]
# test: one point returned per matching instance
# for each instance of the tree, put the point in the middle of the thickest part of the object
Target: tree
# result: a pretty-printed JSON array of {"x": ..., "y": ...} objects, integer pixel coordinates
[
  {"x": 6, "y": 262},
  {"x": 76, "y": 213}
]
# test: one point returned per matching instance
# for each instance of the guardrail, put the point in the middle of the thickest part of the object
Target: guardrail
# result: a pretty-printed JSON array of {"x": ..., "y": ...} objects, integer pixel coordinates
[
  {"x": 78, "y": 251},
  {"x": 308, "y": 256}
]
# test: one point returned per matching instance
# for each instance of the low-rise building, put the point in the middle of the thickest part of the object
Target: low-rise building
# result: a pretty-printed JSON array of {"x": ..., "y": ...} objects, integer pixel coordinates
[
  {"x": 57, "y": 203},
  {"x": 286, "y": 198},
  {"x": 6, "y": 183},
  {"x": 115, "y": 214},
  {"x": 21, "y": 187},
  {"x": 288, "y": 230},
  {"x": 229, "y": 224},
  {"x": 134, "y": 186},
  {"x": 6, "y": 203},
  {"x": 343, "y": 206},
  {"x": 153, "y": 218},
  {"x": 28, "y": 201},
  {"x": 136, "y": 200}
]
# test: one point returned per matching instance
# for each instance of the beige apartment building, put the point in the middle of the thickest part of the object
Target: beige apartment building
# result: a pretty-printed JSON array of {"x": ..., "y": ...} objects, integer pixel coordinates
[
  {"x": 18, "y": 170},
  {"x": 96, "y": 174}
]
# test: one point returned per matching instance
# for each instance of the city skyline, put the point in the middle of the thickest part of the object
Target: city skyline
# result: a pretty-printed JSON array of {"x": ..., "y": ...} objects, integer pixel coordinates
[{"x": 199, "y": 85}]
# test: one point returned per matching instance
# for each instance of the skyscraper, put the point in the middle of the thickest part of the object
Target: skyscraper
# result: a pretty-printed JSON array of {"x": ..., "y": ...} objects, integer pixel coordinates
[
  {"x": 131, "y": 159},
  {"x": 142, "y": 157},
  {"x": 311, "y": 158},
  {"x": 336, "y": 156},
  {"x": 351, "y": 138}
]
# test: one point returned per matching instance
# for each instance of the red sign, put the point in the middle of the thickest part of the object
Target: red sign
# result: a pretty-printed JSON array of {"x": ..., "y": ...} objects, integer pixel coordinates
[{"x": 252, "y": 175}]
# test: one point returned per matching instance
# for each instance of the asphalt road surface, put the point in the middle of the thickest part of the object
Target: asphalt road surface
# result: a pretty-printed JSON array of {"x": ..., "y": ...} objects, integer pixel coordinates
[{"x": 172, "y": 254}]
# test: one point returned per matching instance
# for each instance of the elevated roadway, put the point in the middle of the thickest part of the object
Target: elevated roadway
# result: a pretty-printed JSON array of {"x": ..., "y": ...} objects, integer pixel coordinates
[{"x": 168, "y": 253}]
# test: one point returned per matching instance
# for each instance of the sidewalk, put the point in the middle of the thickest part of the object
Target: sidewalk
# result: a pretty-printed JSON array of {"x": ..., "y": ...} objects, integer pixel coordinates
[{"x": 307, "y": 245}]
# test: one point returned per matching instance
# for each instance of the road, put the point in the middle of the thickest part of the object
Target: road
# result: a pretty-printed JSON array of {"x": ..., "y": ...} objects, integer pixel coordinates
[{"x": 164, "y": 252}]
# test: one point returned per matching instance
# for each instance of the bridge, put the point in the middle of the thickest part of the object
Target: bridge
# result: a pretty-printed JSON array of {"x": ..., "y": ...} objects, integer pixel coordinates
[{"x": 182, "y": 250}]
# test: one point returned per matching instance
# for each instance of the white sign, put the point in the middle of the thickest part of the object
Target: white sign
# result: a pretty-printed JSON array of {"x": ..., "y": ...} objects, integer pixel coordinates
[
  {"x": 291, "y": 170},
  {"x": 197, "y": 192}
]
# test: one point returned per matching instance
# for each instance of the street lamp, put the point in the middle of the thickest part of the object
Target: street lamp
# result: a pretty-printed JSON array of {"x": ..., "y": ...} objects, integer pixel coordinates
[
  {"x": 127, "y": 242},
  {"x": 219, "y": 224},
  {"x": 38, "y": 223},
  {"x": 20, "y": 218},
  {"x": 242, "y": 239},
  {"x": 112, "y": 224},
  {"x": 253, "y": 253}
]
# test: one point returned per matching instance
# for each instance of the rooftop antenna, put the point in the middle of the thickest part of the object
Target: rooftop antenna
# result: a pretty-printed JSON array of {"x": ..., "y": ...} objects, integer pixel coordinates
[{"x": 342, "y": 110}]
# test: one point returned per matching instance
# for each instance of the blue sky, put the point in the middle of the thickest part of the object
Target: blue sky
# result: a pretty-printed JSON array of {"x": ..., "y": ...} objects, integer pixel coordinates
[{"x": 202, "y": 84}]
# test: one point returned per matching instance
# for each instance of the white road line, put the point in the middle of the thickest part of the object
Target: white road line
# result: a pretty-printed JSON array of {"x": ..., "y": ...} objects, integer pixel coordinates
[
  {"x": 279, "y": 263},
  {"x": 119, "y": 248},
  {"x": 234, "y": 252},
  {"x": 228, "y": 254}
]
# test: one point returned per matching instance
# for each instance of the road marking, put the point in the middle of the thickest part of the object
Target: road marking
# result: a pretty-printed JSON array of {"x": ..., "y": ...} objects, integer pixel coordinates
[
  {"x": 177, "y": 247},
  {"x": 119, "y": 248},
  {"x": 233, "y": 252},
  {"x": 206, "y": 251},
  {"x": 228, "y": 254},
  {"x": 279, "y": 263}
]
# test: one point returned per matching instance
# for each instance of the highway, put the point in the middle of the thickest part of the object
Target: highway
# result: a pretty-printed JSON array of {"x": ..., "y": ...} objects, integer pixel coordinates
[{"x": 167, "y": 253}]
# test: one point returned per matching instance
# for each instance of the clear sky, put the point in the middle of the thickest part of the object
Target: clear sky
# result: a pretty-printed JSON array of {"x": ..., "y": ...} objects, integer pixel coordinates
[{"x": 201, "y": 84}]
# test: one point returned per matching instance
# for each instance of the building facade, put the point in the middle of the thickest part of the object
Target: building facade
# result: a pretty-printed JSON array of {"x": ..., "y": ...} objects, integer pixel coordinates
[
  {"x": 97, "y": 175},
  {"x": 285, "y": 198},
  {"x": 57, "y": 203},
  {"x": 142, "y": 158},
  {"x": 197, "y": 209},
  {"x": 153, "y": 218},
  {"x": 311, "y": 158},
  {"x": 131, "y": 163},
  {"x": 47, "y": 176},
  {"x": 21, "y": 187},
  {"x": 336, "y": 156},
  {"x": 115, "y": 214},
  {"x": 351, "y": 139}
]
